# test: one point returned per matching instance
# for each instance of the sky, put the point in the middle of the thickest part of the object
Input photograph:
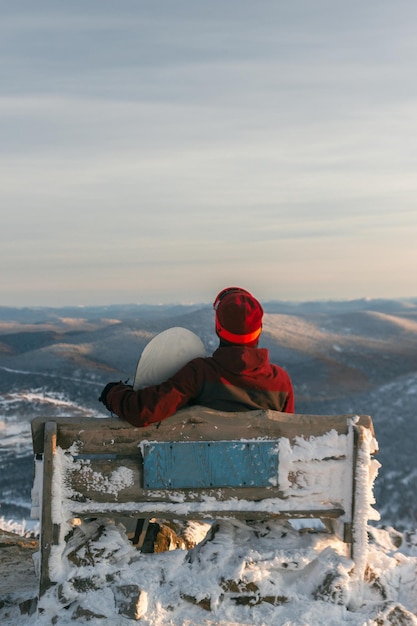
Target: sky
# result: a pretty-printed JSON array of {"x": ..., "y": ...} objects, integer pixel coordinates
[{"x": 156, "y": 152}]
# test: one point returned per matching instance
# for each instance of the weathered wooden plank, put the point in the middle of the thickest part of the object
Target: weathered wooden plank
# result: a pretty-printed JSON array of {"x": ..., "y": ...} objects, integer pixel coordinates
[
  {"x": 101, "y": 480},
  {"x": 90, "y": 434},
  {"x": 191, "y": 424},
  {"x": 184, "y": 465},
  {"x": 176, "y": 511},
  {"x": 199, "y": 423},
  {"x": 84, "y": 493},
  {"x": 105, "y": 480}
]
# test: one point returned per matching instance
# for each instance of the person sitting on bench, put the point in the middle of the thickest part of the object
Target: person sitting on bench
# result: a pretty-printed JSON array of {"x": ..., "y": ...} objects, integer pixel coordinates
[{"x": 237, "y": 377}]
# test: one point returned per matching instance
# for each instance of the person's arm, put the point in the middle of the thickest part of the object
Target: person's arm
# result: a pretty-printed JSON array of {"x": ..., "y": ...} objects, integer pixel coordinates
[{"x": 156, "y": 403}]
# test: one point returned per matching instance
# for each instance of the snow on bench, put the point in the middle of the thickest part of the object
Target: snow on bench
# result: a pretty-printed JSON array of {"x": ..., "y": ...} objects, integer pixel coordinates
[{"x": 204, "y": 464}]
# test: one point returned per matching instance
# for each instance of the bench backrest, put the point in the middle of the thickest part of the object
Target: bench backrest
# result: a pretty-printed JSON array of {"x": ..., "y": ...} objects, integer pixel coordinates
[{"x": 306, "y": 461}]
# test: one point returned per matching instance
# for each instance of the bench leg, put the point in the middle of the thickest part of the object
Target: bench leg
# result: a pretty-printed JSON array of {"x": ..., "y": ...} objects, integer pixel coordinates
[
  {"x": 360, "y": 503},
  {"x": 340, "y": 529},
  {"x": 140, "y": 532},
  {"x": 49, "y": 535}
]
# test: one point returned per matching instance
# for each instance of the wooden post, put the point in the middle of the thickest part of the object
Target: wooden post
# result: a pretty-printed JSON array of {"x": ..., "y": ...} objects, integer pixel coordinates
[
  {"x": 48, "y": 536},
  {"x": 360, "y": 503}
]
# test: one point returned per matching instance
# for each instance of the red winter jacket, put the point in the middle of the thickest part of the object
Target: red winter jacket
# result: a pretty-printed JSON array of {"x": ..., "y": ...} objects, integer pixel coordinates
[{"x": 233, "y": 379}]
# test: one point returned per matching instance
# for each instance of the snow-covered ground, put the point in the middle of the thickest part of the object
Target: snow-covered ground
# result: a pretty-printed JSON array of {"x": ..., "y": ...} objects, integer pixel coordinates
[{"x": 241, "y": 574}]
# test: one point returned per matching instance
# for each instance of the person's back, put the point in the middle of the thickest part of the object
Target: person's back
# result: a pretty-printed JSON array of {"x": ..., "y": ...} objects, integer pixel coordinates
[
  {"x": 241, "y": 379},
  {"x": 237, "y": 377}
]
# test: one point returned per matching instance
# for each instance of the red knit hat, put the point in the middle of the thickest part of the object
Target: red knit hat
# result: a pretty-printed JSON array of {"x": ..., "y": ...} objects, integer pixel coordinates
[{"x": 238, "y": 316}]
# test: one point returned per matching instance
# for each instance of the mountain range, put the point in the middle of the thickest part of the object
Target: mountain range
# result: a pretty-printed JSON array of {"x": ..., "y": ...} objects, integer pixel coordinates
[{"x": 355, "y": 357}]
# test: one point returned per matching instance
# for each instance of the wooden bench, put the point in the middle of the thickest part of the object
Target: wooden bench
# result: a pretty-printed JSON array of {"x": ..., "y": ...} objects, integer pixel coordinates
[{"x": 203, "y": 464}]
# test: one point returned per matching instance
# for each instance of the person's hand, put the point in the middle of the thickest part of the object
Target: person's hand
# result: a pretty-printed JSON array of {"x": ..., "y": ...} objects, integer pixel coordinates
[{"x": 103, "y": 395}]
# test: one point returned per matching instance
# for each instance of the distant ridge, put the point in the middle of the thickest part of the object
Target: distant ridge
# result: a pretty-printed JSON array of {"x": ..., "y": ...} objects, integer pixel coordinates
[
  {"x": 30, "y": 314},
  {"x": 342, "y": 306}
]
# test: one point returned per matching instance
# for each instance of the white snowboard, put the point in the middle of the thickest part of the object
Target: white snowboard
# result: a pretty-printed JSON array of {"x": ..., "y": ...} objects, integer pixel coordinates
[{"x": 165, "y": 354}]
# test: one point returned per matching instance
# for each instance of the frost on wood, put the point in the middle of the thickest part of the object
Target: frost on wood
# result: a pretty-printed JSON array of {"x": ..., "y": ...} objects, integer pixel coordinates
[
  {"x": 36, "y": 492},
  {"x": 120, "y": 478},
  {"x": 62, "y": 514},
  {"x": 322, "y": 470},
  {"x": 317, "y": 471},
  {"x": 366, "y": 472}
]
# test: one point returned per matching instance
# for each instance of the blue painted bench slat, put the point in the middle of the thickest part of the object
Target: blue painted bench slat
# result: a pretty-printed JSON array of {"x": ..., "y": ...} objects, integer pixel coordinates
[{"x": 194, "y": 464}]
